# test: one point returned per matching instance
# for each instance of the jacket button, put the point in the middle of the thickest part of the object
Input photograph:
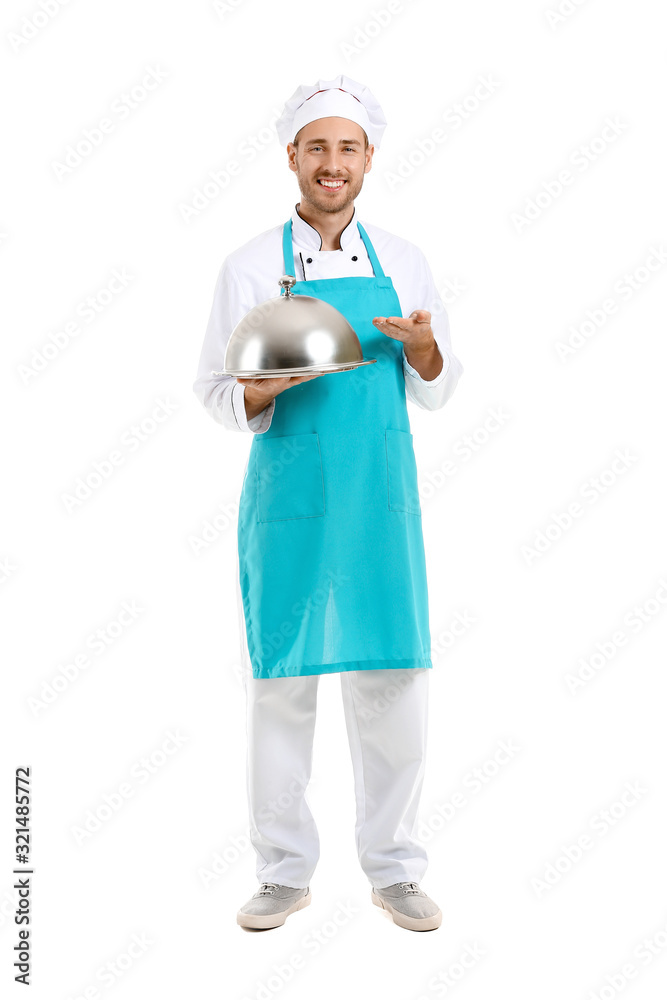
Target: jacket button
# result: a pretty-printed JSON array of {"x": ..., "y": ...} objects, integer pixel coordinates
[
  {"x": 309, "y": 260},
  {"x": 354, "y": 258}
]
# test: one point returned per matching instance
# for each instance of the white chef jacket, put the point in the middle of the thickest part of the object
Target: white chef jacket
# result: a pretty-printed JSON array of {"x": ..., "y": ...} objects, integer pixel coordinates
[{"x": 249, "y": 276}]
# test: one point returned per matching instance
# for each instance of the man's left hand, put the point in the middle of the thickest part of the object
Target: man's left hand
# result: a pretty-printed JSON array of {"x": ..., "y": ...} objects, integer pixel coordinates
[{"x": 414, "y": 332}]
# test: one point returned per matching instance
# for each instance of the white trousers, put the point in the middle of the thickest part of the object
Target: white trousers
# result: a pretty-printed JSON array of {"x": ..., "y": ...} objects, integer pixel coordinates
[{"x": 386, "y": 721}]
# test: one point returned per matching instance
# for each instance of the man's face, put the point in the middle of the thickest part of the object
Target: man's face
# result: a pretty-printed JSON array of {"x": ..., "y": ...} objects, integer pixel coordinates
[{"x": 330, "y": 150}]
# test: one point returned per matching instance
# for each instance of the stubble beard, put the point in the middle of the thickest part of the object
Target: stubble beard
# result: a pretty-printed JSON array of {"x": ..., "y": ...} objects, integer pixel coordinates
[{"x": 310, "y": 192}]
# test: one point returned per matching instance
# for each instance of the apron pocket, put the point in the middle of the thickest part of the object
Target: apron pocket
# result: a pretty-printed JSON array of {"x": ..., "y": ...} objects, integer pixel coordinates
[
  {"x": 401, "y": 472},
  {"x": 289, "y": 477}
]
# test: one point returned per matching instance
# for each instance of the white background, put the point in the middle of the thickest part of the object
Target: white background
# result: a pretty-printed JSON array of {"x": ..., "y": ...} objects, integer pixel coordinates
[{"x": 521, "y": 291}]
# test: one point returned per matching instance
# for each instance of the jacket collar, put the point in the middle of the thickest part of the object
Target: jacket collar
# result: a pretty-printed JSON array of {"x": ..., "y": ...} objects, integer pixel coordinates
[{"x": 304, "y": 235}]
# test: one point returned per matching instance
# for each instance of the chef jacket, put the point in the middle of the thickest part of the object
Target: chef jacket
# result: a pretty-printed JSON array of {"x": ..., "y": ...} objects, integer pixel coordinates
[{"x": 249, "y": 276}]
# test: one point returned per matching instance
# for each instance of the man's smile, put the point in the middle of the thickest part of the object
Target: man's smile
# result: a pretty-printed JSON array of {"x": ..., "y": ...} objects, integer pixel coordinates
[{"x": 331, "y": 185}]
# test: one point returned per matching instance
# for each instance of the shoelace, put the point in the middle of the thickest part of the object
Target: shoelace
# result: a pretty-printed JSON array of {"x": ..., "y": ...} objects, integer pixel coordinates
[
  {"x": 266, "y": 888},
  {"x": 411, "y": 887}
]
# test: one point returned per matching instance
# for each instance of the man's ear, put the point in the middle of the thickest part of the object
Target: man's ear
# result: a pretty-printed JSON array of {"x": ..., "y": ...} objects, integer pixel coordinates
[
  {"x": 369, "y": 158},
  {"x": 291, "y": 156}
]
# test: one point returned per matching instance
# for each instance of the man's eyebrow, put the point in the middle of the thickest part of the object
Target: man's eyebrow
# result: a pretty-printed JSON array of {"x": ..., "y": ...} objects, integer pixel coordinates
[{"x": 345, "y": 142}]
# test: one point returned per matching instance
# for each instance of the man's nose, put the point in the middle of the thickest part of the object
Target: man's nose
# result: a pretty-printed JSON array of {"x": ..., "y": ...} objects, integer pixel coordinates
[{"x": 334, "y": 163}]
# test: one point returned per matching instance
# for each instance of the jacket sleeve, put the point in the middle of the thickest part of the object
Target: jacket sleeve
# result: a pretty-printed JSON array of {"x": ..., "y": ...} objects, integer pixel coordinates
[
  {"x": 221, "y": 395},
  {"x": 433, "y": 394}
]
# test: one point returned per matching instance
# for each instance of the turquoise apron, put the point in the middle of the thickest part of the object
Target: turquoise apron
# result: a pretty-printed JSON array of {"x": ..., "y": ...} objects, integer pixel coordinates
[{"x": 332, "y": 568}]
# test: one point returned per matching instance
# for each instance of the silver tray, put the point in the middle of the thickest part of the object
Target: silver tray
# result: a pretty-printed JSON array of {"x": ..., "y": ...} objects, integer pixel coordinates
[{"x": 289, "y": 372}]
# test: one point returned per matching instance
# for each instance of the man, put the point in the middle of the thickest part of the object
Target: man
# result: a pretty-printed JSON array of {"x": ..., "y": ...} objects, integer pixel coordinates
[{"x": 331, "y": 570}]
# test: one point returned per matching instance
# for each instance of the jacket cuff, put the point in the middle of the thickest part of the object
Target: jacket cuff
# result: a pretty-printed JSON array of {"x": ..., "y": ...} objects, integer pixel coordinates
[
  {"x": 428, "y": 382},
  {"x": 256, "y": 425}
]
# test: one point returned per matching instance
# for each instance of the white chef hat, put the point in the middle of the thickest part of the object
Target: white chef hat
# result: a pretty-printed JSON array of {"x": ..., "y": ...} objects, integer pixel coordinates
[{"x": 341, "y": 97}]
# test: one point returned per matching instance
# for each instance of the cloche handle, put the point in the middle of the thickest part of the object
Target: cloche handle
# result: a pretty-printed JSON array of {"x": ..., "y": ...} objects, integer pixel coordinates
[{"x": 286, "y": 283}]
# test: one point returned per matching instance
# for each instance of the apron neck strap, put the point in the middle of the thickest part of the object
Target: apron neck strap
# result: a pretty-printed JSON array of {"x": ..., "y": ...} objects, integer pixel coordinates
[
  {"x": 377, "y": 269},
  {"x": 288, "y": 253}
]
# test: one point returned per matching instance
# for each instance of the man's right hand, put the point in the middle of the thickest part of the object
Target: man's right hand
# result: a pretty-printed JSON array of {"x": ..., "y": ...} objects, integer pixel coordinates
[{"x": 260, "y": 391}]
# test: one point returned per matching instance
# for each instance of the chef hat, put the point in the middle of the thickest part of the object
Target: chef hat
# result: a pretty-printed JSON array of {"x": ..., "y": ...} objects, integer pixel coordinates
[{"x": 338, "y": 98}]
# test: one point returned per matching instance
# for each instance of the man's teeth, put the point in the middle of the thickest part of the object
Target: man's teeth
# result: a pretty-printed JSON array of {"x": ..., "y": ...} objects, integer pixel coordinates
[{"x": 332, "y": 184}]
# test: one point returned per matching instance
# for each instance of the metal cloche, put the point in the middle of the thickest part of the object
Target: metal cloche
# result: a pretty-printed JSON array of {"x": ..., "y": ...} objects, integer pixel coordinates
[{"x": 292, "y": 335}]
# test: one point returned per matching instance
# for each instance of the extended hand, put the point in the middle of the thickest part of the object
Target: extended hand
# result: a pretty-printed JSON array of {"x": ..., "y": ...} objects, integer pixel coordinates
[{"x": 414, "y": 332}]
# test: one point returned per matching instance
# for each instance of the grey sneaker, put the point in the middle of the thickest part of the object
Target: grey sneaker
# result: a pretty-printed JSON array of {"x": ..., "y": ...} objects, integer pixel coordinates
[
  {"x": 408, "y": 906},
  {"x": 271, "y": 905}
]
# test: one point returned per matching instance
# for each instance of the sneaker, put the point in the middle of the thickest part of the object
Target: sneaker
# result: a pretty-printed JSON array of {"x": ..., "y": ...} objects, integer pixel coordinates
[
  {"x": 408, "y": 906},
  {"x": 271, "y": 905}
]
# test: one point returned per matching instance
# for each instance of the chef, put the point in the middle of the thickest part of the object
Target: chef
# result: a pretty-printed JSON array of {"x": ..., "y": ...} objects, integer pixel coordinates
[{"x": 331, "y": 575}]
